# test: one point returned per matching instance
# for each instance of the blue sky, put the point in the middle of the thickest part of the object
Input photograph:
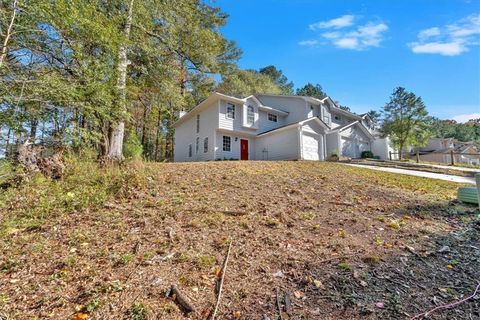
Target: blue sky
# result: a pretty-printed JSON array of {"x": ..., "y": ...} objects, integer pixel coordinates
[{"x": 359, "y": 51}]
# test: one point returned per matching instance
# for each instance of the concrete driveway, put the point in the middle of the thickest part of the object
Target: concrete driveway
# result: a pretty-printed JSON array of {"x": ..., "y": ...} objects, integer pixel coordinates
[{"x": 431, "y": 175}]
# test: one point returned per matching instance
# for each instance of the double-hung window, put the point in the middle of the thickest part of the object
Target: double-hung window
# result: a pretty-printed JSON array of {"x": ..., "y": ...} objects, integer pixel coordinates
[
  {"x": 190, "y": 152},
  {"x": 197, "y": 144},
  {"x": 250, "y": 115},
  {"x": 272, "y": 117},
  {"x": 198, "y": 123},
  {"x": 230, "y": 111},
  {"x": 227, "y": 143}
]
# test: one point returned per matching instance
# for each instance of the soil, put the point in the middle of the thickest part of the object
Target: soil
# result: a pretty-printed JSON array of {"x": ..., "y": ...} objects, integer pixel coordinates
[{"x": 334, "y": 243}]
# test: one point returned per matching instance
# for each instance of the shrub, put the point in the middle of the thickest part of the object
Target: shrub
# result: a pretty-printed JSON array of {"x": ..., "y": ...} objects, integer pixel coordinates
[
  {"x": 367, "y": 154},
  {"x": 132, "y": 149}
]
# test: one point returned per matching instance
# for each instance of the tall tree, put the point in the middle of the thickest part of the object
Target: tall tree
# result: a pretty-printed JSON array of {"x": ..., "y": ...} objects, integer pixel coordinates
[
  {"x": 311, "y": 90},
  {"x": 242, "y": 83},
  {"x": 278, "y": 78},
  {"x": 405, "y": 120},
  {"x": 118, "y": 130}
]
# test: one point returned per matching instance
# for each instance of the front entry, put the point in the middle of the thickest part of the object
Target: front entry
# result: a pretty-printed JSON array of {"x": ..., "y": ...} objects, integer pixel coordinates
[{"x": 243, "y": 149}]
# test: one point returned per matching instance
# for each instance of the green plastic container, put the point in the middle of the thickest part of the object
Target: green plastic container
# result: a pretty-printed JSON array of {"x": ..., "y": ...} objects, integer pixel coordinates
[{"x": 468, "y": 195}]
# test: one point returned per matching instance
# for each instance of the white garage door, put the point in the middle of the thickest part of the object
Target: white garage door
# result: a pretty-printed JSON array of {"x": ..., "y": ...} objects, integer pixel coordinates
[{"x": 311, "y": 146}]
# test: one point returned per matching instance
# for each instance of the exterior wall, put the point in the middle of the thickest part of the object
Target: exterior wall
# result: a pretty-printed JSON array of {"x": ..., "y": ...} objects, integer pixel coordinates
[
  {"x": 382, "y": 148},
  {"x": 235, "y": 146},
  {"x": 333, "y": 144},
  {"x": 266, "y": 125},
  {"x": 186, "y": 134},
  {"x": 297, "y": 108},
  {"x": 237, "y": 123},
  {"x": 282, "y": 145},
  {"x": 353, "y": 141}
]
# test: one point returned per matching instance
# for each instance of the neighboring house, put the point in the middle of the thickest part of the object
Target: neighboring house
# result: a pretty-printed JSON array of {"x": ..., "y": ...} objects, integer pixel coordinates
[
  {"x": 270, "y": 127},
  {"x": 440, "y": 150}
]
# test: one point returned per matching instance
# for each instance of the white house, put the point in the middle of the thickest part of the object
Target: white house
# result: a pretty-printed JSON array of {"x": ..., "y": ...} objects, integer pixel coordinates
[{"x": 271, "y": 127}]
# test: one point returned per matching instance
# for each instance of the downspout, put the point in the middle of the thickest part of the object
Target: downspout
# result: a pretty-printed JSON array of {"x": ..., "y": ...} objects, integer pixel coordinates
[{"x": 300, "y": 143}]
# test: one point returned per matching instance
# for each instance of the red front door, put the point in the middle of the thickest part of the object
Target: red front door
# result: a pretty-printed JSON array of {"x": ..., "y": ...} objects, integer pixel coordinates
[{"x": 243, "y": 149}]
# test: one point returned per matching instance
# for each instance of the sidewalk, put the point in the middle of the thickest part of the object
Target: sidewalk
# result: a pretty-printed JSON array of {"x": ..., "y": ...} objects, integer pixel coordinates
[{"x": 431, "y": 175}]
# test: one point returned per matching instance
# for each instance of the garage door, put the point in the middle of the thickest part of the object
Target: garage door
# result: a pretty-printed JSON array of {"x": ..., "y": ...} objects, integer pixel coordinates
[{"x": 311, "y": 146}]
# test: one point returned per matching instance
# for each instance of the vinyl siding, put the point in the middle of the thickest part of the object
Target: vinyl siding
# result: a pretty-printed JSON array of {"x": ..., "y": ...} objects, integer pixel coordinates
[
  {"x": 266, "y": 125},
  {"x": 186, "y": 134},
  {"x": 235, "y": 146},
  {"x": 234, "y": 124},
  {"x": 297, "y": 108},
  {"x": 283, "y": 145}
]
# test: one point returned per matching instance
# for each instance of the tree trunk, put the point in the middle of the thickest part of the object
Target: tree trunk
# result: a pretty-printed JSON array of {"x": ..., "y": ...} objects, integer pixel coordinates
[
  {"x": 33, "y": 129},
  {"x": 400, "y": 152},
  {"x": 3, "y": 55},
  {"x": 118, "y": 131}
]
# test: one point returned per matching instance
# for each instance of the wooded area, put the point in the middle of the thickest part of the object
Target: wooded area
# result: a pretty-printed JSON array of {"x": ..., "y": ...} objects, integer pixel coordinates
[{"x": 112, "y": 76}]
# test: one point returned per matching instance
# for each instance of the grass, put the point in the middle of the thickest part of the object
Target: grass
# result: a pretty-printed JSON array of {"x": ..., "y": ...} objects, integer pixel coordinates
[{"x": 89, "y": 223}]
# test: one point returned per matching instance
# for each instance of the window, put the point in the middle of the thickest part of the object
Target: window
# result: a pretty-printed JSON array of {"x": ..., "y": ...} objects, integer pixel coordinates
[
  {"x": 190, "y": 153},
  {"x": 272, "y": 117},
  {"x": 198, "y": 123},
  {"x": 197, "y": 144},
  {"x": 230, "y": 111},
  {"x": 227, "y": 143},
  {"x": 311, "y": 107},
  {"x": 205, "y": 145},
  {"x": 338, "y": 118},
  {"x": 250, "y": 115}
]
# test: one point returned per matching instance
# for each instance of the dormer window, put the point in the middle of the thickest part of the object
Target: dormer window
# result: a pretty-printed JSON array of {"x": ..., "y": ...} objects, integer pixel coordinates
[
  {"x": 272, "y": 117},
  {"x": 250, "y": 115},
  {"x": 230, "y": 114}
]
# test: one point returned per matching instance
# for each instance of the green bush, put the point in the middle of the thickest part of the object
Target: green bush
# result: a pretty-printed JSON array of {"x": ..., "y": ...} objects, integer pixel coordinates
[
  {"x": 132, "y": 148},
  {"x": 367, "y": 154}
]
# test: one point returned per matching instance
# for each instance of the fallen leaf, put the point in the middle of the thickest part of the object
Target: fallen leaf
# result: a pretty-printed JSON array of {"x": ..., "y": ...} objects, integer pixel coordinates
[
  {"x": 237, "y": 314},
  {"x": 380, "y": 305},
  {"x": 299, "y": 294},
  {"x": 318, "y": 284},
  {"x": 80, "y": 316}
]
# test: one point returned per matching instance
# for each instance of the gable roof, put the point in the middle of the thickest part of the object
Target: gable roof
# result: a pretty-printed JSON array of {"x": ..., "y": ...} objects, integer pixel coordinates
[
  {"x": 355, "y": 123},
  {"x": 296, "y": 124},
  {"x": 215, "y": 96}
]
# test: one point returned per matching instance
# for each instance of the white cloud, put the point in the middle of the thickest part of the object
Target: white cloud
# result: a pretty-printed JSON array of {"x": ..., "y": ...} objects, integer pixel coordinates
[
  {"x": 308, "y": 43},
  {"x": 346, "y": 43},
  {"x": 443, "y": 48},
  {"x": 337, "y": 23},
  {"x": 428, "y": 33},
  {"x": 462, "y": 118},
  {"x": 350, "y": 36},
  {"x": 451, "y": 40}
]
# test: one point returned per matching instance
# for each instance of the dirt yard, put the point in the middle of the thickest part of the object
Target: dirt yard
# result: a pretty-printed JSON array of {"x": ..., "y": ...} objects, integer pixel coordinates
[{"x": 335, "y": 242}]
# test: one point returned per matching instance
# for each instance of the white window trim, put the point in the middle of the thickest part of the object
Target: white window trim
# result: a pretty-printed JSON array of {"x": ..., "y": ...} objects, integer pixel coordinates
[
  {"x": 226, "y": 111},
  {"x": 223, "y": 144},
  {"x": 250, "y": 114},
  {"x": 273, "y": 115}
]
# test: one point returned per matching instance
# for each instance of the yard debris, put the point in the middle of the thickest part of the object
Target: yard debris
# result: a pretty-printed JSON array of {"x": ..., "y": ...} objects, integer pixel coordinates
[
  {"x": 219, "y": 281},
  {"x": 184, "y": 236},
  {"x": 176, "y": 295}
]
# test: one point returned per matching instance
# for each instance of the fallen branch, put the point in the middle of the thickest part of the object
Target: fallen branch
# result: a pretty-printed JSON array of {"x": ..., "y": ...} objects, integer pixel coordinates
[
  {"x": 338, "y": 257},
  {"x": 180, "y": 298},
  {"x": 448, "y": 305},
  {"x": 279, "y": 305},
  {"x": 222, "y": 278}
]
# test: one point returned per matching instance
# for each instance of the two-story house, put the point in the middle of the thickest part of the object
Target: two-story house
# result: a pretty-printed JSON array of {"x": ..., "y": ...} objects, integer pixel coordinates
[{"x": 270, "y": 127}]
